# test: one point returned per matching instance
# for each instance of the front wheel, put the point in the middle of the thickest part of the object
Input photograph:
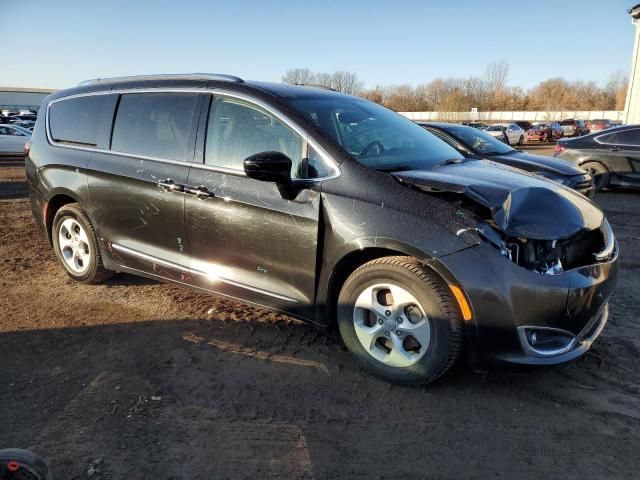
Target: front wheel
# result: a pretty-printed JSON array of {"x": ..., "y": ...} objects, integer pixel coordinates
[
  {"x": 599, "y": 173},
  {"x": 399, "y": 320}
]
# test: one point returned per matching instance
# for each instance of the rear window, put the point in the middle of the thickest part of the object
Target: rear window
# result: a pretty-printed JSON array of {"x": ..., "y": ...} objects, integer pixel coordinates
[
  {"x": 155, "y": 125},
  {"x": 76, "y": 120},
  {"x": 567, "y": 122}
]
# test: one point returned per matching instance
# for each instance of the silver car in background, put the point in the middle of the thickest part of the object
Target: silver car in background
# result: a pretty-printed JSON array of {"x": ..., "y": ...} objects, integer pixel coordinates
[
  {"x": 12, "y": 140},
  {"x": 511, "y": 131}
]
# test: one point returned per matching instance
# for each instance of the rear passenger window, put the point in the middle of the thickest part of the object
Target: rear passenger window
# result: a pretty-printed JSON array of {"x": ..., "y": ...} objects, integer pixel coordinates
[
  {"x": 76, "y": 120},
  {"x": 626, "y": 137},
  {"x": 155, "y": 125},
  {"x": 238, "y": 130}
]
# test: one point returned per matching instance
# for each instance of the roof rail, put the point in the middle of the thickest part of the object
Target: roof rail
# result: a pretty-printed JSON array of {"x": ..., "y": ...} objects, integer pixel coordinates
[
  {"x": 315, "y": 85},
  {"x": 170, "y": 76}
]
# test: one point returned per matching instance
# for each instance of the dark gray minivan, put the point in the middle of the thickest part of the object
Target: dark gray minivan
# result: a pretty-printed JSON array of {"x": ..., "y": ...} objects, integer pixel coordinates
[{"x": 324, "y": 206}]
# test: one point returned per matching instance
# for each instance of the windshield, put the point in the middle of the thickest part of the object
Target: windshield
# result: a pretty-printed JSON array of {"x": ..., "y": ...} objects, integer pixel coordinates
[
  {"x": 376, "y": 136},
  {"x": 478, "y": 140},
  {"x": 540, "y": 125}
]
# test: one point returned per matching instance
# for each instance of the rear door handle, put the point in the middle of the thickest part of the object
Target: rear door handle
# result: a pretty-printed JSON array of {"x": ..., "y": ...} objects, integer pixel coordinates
[
  {"x": 200, "y": 192},
  {"x": 169, "y": 185}
]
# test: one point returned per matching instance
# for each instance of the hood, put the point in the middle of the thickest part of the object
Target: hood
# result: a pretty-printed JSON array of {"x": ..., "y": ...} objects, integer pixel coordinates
[
  {"x": 521, "y": 205},
  {"x": 537, "y": 163}
]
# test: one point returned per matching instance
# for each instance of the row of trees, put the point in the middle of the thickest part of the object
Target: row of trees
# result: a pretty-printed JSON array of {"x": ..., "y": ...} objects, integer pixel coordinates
[
  {"x": 489, "y": 92},
  {"x": 346, "y": 82}
]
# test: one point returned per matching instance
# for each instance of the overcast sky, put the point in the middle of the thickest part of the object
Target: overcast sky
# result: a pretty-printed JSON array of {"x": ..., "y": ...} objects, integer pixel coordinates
[{"x": 57, "y": 43}]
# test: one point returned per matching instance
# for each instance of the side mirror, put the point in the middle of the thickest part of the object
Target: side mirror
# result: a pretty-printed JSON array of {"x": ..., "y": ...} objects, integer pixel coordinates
[{"x": 269, "y": 167}]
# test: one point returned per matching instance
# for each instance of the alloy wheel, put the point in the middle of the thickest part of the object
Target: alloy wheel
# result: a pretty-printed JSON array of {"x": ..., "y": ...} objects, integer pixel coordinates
[
  {"x": 391, "y": 325},
  {"x": 74, "y": 245}
]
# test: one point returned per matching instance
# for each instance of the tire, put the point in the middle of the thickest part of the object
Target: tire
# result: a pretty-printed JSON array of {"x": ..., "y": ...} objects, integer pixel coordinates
[
  {"x": 384, "y": 343},
  {"x": 521, "y": 140},
  {"x": 600, "y": 174},
  {"x": 76, "y": 245},
  {"x": 29, "y": 464}
]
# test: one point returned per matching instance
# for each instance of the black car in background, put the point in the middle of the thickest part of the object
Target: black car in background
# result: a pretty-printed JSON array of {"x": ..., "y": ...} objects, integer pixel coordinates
[
  {"x": 472, "y": 142},
  {"x": 328, "y": 207},
  {"x": 611, "y": 156}
]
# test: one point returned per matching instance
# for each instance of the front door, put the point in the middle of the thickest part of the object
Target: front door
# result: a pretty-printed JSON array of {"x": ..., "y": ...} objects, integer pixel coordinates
[
  {"x": 135, "y": 189},
  {"x": 247, "y": 239}
]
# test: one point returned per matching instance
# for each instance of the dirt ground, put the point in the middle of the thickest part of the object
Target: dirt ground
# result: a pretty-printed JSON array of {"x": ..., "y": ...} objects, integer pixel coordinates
[{"x": 141, "y": 380}]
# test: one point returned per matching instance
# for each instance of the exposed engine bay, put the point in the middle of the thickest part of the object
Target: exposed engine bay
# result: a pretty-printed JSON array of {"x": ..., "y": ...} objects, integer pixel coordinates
[
  {"x": 539, "y": 225},
  {"x": 549, "y": 257}
]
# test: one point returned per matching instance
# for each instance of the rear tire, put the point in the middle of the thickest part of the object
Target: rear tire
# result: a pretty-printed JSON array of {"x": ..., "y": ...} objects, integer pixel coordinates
[
  {"x": 600, "y": 174},
  {"x": 399, "y": 320},
  {"x": 521, "y": 140},
  {"x": 76, "y": 245}
]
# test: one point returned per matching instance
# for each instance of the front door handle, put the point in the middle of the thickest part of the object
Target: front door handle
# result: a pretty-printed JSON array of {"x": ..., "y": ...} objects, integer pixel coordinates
[
  {"x": 200, "y": 192},
  {"x": 169, "y": 185},
  {"x": 615, "y": 149}
]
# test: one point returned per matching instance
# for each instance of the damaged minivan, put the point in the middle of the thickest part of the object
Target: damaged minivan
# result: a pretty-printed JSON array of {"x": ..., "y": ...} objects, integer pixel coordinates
[{"x": 327, "y": 207}]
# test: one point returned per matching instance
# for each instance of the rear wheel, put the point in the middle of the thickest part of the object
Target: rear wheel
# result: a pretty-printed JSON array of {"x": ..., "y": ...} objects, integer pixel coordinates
[
  {"x": 599, "y": 173},
  {"x": 399, "y": 320},
  {"x": 76, "y": 245},
  {"x": 521, "y": 140}
]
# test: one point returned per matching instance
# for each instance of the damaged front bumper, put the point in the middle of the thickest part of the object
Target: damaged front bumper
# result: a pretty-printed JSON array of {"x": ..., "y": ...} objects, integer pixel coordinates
[{"x": 526, "y": 317}]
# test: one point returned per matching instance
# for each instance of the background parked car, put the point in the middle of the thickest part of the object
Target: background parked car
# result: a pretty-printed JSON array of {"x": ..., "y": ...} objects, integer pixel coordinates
[
  {"x": 599, "y": 124},
  {"x": 473, "y": 142},
  {"x": 612, "y": 157},
  {"x": 573, "y": 128},
  {"x": 523, "y": 125},
  {"x": 513, "y": 132},
  {"x": 12, "y": 140},
  {"x": 544, "y": 132},
  {"x": 478, "y": 125}
]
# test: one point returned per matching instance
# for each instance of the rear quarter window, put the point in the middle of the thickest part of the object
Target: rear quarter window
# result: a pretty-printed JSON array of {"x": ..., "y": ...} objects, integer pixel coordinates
[{"x": 76, "y": 120}]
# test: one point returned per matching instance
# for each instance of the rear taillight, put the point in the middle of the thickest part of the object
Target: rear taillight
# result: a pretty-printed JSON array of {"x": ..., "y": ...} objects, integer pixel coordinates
[
  {"x": 27, "y": 148},
  {"x": 559, "y": 149}
]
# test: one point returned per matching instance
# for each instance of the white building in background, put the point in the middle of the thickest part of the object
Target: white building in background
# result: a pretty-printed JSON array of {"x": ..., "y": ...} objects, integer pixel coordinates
[
  {"x": 15, "y": 100},
  {"x": 632, "y": 104}
]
